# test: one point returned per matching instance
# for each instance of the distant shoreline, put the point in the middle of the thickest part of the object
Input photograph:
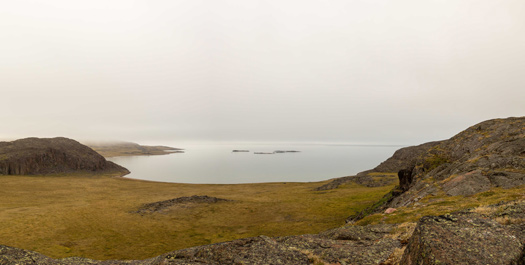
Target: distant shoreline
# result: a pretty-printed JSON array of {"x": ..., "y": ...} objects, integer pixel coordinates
[{"x": 131, "y": 149}]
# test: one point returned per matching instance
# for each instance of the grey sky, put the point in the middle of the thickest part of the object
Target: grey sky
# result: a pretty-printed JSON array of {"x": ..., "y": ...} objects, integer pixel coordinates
[{"x": 400, "y": 72}]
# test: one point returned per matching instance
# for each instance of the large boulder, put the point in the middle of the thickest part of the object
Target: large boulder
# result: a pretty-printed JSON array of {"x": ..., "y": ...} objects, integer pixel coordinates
[{"x": 464, "y": 238}]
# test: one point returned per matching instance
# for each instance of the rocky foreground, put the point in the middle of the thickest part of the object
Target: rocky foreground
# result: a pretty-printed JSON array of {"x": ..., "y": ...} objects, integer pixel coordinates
[
  {"x": 495, "y": 235},
  {"x": 485, "y": 157}
]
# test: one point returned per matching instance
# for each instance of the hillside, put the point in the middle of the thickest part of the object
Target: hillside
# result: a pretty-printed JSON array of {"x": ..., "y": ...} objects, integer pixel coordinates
[
  {"x": 487, "y": 155},
  {"x": 32, "y": 156},
  {"x": 459, "y": 201}
]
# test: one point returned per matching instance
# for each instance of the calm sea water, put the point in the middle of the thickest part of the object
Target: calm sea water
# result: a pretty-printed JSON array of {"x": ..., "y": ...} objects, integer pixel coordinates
[{"x": 217, "y": 164}]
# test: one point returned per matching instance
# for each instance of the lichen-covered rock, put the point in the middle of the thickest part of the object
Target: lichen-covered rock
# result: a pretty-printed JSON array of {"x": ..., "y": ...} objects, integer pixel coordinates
[
  {"x": 487, "y": 155},
  {"x": 462, "y": 238},
  {"x": 346, "y": 245},
  {"x": 13, "y": 256},
  {"x": 256, "y": 250},
  {"x": 350, "y": 247},
  {"x": 50, "y": 155}
]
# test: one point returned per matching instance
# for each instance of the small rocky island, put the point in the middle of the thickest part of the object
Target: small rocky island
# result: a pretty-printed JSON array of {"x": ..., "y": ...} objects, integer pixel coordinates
[{"x": 276, "y": 152}]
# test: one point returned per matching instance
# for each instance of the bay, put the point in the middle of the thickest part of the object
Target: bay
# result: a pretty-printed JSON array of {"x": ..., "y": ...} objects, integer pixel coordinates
[{"x": 218, "y": 164}]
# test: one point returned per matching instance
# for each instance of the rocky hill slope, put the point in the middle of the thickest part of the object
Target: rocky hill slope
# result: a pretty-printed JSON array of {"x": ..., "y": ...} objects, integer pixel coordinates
[
  {"x": 487, "y": 155},
  {"x": 32, "y": 156},
  {"x": 474, "y": 165}
]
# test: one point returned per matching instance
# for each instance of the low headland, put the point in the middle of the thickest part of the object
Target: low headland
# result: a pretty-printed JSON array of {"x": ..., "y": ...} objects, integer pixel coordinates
[
  {"x": 112, "y": 149},
  {"x": 456, "y": 201}
]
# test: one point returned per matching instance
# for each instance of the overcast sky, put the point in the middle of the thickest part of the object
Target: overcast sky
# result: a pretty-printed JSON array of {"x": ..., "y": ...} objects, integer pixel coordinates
[{"x": 385, "y": 72}]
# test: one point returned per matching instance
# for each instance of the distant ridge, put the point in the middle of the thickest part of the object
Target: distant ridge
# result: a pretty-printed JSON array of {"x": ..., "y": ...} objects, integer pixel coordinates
[
  {"x": 111, "y": 149},
  {"x": 32, "y": 156}
]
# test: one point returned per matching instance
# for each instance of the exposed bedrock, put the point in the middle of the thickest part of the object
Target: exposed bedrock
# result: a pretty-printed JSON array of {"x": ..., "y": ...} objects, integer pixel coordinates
[{"x": 465, "y": 238}]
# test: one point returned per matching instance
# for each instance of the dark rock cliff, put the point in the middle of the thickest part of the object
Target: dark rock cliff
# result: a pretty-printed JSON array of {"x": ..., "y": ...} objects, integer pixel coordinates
[{"x": 32, "y": 156}]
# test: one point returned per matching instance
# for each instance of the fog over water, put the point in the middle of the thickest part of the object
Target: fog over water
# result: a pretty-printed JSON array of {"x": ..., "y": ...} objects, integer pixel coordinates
[
  {"x": 362, "y": 72},
  {"x": 217, "y": 164}
]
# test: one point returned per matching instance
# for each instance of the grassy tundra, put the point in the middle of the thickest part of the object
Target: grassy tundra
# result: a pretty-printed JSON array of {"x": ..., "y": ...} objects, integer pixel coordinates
[{"x": 93, "y": 215}]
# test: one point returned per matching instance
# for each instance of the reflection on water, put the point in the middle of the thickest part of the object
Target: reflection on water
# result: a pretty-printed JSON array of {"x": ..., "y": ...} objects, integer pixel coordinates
[{"x": 218, "y": 164}]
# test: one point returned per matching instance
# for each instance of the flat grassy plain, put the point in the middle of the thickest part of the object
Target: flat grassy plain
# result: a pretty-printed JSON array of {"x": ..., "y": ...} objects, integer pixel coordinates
[{"x": 93, "y": 215}]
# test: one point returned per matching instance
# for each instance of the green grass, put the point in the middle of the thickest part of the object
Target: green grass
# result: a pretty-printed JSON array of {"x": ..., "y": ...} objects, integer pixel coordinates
[{"x": 91, "y": 216}]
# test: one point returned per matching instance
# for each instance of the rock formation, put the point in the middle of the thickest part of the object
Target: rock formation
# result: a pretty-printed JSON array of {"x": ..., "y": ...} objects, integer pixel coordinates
[
  {"x": 405, "y": 179},
  {"x": 32, "y": 156},
  {"x": 487, "y": 155},
  {"x": 470, "y": 238},
  {"x": 187, "y": 201}
]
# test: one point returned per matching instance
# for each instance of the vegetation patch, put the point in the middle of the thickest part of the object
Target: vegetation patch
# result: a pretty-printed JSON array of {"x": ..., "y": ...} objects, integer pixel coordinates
[
  {"x": 92, "y": 215},
  {"x": 442, "y": 204}
]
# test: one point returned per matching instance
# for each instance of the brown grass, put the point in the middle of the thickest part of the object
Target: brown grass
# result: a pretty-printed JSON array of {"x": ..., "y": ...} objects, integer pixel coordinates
[
  {"x": 441, "y": 204},
  {"x": 91, "y": 216}
]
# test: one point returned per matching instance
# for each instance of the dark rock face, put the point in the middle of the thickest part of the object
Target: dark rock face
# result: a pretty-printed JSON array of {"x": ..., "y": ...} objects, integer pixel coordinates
[
  {"x": 50, "y": 155},
  {"x": 463, "y": 238},
  {"x": 405, "y": 179}
]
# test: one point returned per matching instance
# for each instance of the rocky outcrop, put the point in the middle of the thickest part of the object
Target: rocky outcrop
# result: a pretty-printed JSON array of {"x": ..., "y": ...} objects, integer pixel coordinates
[
  {"x": 405, "y": 179},
  {"x": 186, "y": 201},
  {"x": 487, "y": 155},
  {"x": 347, "y": 245},
  {"x": 470, "y": 238},
  {"x": 404, "y": 158},
  {"x": 361, "y": 179},
  {"x": 50, "y": 155},
  {"x": 486, "y": 235}
]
